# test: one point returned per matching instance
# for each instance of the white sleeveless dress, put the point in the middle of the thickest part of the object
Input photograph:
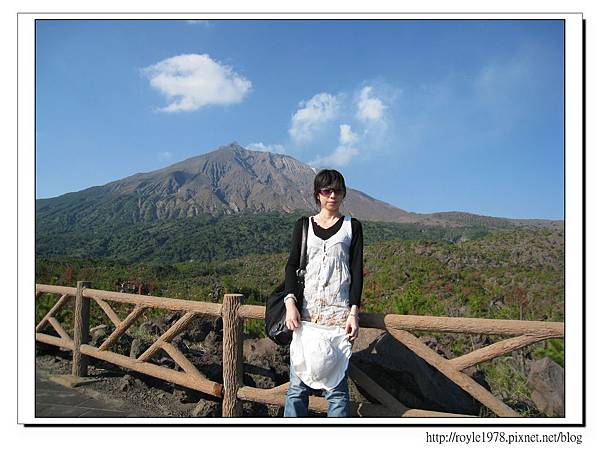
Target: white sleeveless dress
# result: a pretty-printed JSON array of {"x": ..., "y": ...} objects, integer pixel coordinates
[
  {"x": 327, "y": 280},
  {"x": 320, "y": 350}
]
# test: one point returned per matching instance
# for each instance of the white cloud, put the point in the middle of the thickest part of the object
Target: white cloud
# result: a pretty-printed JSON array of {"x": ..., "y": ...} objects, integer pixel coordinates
[
  {"x": 339, "y": 158},
  {"x": 347, "y": 136},
  {"x": 312, "y": 114},
  {"x": 370, "y": 109},
  {"x": 345, "y": 151},
  {"x": 190, "y": 82},
  {"x": 165, "y": 156},
  {"x": 272, "y": 148}
]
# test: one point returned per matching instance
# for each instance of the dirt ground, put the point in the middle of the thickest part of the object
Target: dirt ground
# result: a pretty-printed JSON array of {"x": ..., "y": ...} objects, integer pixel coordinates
[{"x": 142, "y": 395}]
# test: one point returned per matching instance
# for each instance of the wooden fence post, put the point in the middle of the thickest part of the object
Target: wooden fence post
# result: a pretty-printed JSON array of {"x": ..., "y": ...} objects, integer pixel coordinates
[
  {"x": 81, "y": 330},
  {"x": 233, "y": 335}
]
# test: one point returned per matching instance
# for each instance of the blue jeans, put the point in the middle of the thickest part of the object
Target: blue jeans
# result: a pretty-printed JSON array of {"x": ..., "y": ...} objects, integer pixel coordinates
[{"x": 296, "y": 400}]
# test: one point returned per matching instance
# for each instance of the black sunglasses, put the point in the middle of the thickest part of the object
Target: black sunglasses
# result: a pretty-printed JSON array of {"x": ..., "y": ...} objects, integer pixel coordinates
[{"x": 327, "y": 191}]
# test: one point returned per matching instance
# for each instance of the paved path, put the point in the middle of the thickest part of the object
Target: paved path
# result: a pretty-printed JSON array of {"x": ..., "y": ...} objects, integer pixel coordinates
[{"x": 55, "y": 400}]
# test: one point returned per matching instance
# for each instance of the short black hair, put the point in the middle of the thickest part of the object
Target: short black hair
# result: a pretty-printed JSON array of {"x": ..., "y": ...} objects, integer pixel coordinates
[{"x": 329, "y": 179}]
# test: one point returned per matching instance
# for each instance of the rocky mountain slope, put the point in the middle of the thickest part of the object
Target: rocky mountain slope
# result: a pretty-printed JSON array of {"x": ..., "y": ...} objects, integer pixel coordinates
[{"x": 229, "y": 180}]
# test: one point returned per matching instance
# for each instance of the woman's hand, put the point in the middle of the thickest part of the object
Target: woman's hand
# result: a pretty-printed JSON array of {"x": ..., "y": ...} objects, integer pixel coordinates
[
  {"x": 352, "y": 326},
  {"x": 292, "y": 316}
]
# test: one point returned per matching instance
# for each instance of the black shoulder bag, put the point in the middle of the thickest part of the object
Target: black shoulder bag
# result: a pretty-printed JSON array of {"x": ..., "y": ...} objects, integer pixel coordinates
[{"x": 275, "y": 326}]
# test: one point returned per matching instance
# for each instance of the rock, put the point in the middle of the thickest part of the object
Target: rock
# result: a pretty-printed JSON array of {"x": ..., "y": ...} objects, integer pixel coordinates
[
  {"x": 433, "y": 344},
  {"x": 408, "y": 377},
  {"x": 179, "y": 343},
  {"x": 497, "y": 302},
  {"x": 171, "y": 318},
  {"x": 137, "y": 348},
  {"x": 207, "y": 408},
  {"x": 126, "y": 383},
  {"x": 253, "y": 409},
  {"x": 366, "y": 338},
  {"x": 123, "y": 344},
  {"x": 546, "y": 381},
  {"x": 259, "y": 351},
  {"x": 98, "y": 335},
  {"x": 179, "y": 395},
  {"x": 200, "y": 326},
  {"x": 258, "y": 377},
  {"x": 266, "y": 362},
  {"x": 158, "y": 325},
  {"x": 151, "y": 327},
  {"x": 213, "y": 344},
  {"x": 186, "y": 396}
]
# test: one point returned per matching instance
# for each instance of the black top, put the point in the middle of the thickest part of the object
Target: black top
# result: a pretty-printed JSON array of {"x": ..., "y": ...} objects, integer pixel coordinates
[{"x": 356, "y": 256}]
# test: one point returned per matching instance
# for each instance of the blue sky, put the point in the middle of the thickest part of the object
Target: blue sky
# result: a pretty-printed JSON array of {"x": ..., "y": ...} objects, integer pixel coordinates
[{"x": 452, "y": 115}]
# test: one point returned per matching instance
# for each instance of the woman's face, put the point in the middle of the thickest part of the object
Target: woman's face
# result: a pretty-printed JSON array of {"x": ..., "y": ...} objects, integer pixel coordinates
[{"x": 330, "y": 200}]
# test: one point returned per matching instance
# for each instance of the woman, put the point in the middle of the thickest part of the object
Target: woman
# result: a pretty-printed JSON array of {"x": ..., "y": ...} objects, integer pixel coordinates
[{"x": 327, "y": 321}]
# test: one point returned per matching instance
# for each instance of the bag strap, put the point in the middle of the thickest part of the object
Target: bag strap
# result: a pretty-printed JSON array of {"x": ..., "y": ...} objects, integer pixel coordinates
[{"x": 302, "y": 268}]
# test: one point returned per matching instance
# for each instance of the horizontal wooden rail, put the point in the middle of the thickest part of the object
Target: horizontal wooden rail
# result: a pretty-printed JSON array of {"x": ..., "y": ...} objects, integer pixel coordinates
[
  {"x": 148, "y": 301},
  {"x": 256, "y": 312},
  {"x": 51, "y": 289},
  {"x": 462, "y": 325},
  {"x": 367, "y": 320},
  {"x": 53, "y": 340},
  {"x": 442, "y": 324}
]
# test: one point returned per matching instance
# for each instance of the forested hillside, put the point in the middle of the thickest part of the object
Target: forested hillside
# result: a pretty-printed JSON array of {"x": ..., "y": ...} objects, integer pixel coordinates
[
  {"x": 506, "y": 274},
  {"x": 209, "y": 238}
]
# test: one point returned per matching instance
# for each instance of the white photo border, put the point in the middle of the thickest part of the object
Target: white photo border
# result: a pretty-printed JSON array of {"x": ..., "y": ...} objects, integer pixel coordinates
[{"x": 574, "y": 263}]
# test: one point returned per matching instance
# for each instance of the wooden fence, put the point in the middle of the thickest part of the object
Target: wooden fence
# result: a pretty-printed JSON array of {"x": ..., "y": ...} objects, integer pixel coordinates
[{"x": 518, "y": 334}]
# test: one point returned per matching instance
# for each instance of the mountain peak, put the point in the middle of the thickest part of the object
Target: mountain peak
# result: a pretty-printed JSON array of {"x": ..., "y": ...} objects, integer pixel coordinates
[
  {"x": 228, "y": 180},
  {"x": 232, "y": 147}
]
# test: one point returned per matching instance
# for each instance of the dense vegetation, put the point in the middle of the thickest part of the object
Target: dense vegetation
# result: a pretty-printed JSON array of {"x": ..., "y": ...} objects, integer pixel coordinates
[
  {"x": 510, "y": 274},
  {"x": 206, "y": 238}
]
